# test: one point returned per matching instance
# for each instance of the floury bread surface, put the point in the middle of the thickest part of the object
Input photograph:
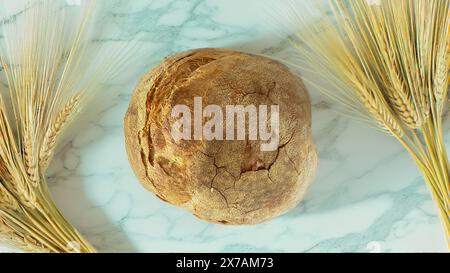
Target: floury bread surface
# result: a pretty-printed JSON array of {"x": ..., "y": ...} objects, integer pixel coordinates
[{"x": 222, "y": 181}]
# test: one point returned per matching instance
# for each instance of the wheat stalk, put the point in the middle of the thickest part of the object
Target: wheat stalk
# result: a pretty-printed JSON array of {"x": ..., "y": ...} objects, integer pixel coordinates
[
  {"x": 394, "y": 57},
  {"x": 47, "y": 57},
  {"x": 15, "y": 239}
]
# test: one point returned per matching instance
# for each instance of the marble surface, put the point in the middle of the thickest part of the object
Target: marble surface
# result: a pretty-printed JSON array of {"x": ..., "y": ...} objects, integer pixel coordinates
[{"x": 368, "y": 195}]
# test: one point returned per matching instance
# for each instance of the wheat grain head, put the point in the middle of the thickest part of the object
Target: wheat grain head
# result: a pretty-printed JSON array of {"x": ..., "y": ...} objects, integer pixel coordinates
[
  {"x": 13, "y": 170},
  {"x": 60, "y": 121},
  {"x": 441, "y": 74}
]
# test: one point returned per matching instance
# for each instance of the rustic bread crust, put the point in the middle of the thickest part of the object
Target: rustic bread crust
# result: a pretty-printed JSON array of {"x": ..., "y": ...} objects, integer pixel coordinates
[{"x": 228, "y": 182}]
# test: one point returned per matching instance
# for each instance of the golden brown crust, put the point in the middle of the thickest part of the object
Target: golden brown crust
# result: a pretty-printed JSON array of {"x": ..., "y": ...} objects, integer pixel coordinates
[{"x": 229, "y": 182}]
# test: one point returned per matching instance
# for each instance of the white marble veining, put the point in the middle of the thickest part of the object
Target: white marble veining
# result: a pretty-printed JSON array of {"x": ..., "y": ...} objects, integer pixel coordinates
[{"x": 368, "y": 195}]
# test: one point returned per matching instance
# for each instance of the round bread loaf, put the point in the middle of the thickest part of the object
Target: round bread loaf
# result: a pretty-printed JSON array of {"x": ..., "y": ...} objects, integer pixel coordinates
[{"x": 237, "y": 181}]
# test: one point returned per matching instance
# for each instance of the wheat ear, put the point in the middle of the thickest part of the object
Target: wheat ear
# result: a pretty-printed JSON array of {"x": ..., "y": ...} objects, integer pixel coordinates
[
  {"x": 30, "y": 160},
  {"x": 381, "y": 113},
  {"x": 399, "y": 96},
  {"x": 54, "y": 130},
  {"x": 440, "y": 80}
]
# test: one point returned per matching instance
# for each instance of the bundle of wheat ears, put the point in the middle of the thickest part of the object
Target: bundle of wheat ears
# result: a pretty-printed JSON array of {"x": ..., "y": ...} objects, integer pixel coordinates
[
  {"x": 51, "y": 66},
  {"x": 388, "y": 62}
]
